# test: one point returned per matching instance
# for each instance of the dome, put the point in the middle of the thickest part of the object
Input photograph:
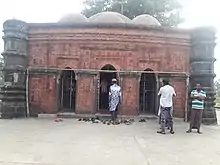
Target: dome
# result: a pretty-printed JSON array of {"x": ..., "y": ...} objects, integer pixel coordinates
[
  {"x": 109, "y": 17},
  {"x": 146, "y": 19},
  {"x": 73, "y": 18}
]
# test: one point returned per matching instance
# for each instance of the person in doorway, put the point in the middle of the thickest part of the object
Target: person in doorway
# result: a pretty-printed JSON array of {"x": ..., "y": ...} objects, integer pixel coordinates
[
  {"x": 104, "y": 86},
  {"x": 114, "y": 99},
  {"x": 198, "y": 96},
  {"x": 104, "y": 94},
  {"x": 166, "y": 94}
]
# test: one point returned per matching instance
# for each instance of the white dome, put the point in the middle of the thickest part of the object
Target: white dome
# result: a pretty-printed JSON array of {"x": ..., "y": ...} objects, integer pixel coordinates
[
  {"x": 109, "y": 17},
  {"x": 146, "y": 19},
  {"x": 73, "y": 18}
]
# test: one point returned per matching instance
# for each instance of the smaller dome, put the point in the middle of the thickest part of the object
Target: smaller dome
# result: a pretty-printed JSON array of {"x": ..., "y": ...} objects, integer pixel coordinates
[
  {"x": 109, "y": 17},
  {"x": 73, "y": 18},
  {"x": 146, "y": 19}
]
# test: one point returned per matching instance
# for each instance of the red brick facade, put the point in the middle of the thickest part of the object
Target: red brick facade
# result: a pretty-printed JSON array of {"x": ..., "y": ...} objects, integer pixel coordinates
[{"x": 92, "y": 48}]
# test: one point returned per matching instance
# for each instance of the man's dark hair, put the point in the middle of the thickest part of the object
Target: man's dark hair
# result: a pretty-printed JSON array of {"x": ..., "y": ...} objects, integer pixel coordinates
[{"x": 166, "y": 82}]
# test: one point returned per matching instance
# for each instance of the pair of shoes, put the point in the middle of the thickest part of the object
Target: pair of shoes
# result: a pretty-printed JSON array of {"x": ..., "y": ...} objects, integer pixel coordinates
[
  {"x": 161, "y": 132},
  {"x": 199, "y": 132},
  {"x": 189, "y": 131},
  {"x": 128, "y": 123},
  {"x": 58, "y": 120},
  {"x": 142, "y": 120},
  {"x": 132, "y": 120},
  {"x": 172, "y": 132}
]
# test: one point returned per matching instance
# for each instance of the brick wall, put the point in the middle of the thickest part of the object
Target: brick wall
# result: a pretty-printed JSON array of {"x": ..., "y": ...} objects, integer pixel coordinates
[
  {"x": 86, "y": 92},
  {"x": 179, "y": 101},
  {"x": 93, "y": 49},
  {"x": 42, "y": 94}
]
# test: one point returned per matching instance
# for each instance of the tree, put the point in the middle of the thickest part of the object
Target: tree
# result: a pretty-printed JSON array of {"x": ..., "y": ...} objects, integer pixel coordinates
[
  {"x": 165, "y": 11},
  {"x": 1, "y": 74},
  {"x": 217, "y": 88}
]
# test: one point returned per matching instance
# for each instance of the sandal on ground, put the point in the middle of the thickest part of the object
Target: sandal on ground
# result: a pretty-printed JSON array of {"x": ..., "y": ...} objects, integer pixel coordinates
[
  {"x": 172, "y": 132},
  {"x": 189, "y": 131},
  {"x": 161, "y": 132}
]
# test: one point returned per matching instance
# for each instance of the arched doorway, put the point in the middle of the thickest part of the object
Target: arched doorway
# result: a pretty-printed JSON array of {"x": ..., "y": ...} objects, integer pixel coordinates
[
  {"x": 105, "y": 83},
  {"x": 147, "y": 98},
  {"x": 67, "y": 90}
]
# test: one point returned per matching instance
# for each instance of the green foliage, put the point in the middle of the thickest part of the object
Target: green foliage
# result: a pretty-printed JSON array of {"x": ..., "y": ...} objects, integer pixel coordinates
[
  {"x": 1, "y": 74},
  {"x": 217, "y": 101},
  {"x": 165, "y": 11},
  {"x": 217, "y": 88}
]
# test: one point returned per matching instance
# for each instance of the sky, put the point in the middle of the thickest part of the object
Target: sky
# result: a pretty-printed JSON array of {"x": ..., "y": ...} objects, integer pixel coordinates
[{"x": 195, "y": 12}]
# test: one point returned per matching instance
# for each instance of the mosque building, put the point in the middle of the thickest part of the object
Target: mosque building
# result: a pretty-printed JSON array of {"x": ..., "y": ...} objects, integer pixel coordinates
[{"x": 65, "y": 68}]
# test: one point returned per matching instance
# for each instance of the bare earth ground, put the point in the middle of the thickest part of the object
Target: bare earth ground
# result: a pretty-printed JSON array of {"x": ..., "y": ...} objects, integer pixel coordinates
[{"x": 44, "y": 142}]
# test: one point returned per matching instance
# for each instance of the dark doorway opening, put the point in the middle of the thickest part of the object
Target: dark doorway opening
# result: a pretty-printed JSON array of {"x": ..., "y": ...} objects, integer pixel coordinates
[
  {"x": 105, "y": 83},
  {"x": 67, "y": 91},
  {"x": 147, "y": 98}
]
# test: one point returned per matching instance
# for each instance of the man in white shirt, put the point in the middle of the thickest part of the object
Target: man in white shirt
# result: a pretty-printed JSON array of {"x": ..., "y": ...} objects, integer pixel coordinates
[
  {"x": 166, "y": 94},
  {"x": 114, "y": 98}
]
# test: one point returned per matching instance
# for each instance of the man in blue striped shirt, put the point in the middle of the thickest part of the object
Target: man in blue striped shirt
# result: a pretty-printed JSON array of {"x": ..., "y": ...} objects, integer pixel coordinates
[{"x": 198, "y": 96}]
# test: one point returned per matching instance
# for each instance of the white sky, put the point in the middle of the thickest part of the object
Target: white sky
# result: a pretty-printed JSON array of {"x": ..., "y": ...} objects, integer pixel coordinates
[{"x": 195, "y": 12}]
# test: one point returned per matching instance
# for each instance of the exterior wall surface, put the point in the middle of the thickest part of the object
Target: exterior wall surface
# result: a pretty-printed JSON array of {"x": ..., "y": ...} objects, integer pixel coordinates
[{"x": 93, "y": 48}]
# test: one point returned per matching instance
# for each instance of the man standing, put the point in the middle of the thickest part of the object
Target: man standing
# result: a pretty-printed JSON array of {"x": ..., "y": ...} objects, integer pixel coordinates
[
  {"x": 114, "y": 98},
  {"x": 198, "y": 96},
  {"x": 166, "y": 94}
]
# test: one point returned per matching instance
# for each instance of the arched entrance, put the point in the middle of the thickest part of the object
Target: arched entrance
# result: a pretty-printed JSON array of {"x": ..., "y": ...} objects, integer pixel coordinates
[
  {"x": 67, "y": 91},
  {"x": 105, "y": 83},
  {"x": 147, "y": 98}
]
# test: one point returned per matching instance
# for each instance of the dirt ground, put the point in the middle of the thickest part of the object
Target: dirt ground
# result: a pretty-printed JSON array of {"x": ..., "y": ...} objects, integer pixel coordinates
[{"x": 45, "y": 142}]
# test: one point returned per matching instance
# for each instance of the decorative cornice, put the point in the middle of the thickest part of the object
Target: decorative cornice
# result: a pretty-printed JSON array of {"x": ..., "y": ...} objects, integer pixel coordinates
[
  {"x": 13, "y": 53},
  {"x": 207, "y": 75},
  {"x": 13, "y": 87},
  {"x": 129, "y": 74},
  {"x": 15, "y": 36},
  {"x": 42, "y": 71},
  {"x": 203, "y": 42},
  {"x": 13, "y": 68},
  {"x": 169, "y": 75},
  {"x": 87, "y": 73},
  {"x": 95, "y": 37},
  {"x": 201, "y": 59},
  {"x": 107, "y": 25}
]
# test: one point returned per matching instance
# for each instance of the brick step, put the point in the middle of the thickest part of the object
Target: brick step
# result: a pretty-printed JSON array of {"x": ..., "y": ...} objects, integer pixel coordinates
[{"x": 74, "y": 115}]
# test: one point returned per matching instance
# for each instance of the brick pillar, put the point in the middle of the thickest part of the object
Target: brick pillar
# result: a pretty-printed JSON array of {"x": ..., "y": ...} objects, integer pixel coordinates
[
  {"x": 13, "y": 93},
  {"x": 130, "y": 94},
  {"x": 86, "y": 93},
  {"x": 202, "y": 68}
]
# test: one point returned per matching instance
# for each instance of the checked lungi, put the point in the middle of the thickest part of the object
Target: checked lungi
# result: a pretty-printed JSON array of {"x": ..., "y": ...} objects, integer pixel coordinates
[{"x": 166, "y": 117}]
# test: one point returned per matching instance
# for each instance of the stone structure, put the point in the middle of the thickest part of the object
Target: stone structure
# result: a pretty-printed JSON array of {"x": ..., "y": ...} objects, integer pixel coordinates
[
  {"x": 202, "y": 67},
  {"x": 71, "y": 62},
  {"x": 13, "y": 94}
]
